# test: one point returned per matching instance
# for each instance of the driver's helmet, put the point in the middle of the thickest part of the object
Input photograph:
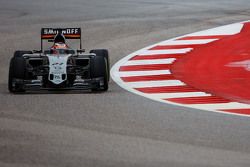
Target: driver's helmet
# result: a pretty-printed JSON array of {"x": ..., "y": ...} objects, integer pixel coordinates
[
  {"x": 57, "y": 47},
  {"x": 60, "y": 45}
]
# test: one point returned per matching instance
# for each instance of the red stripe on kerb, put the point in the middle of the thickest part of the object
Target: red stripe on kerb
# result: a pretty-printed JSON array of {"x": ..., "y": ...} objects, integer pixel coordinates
[
  {"x": 202, "y": 37},
  {"x": 238, "y": 111},
  {"x": 148, "y": 78},
  {"x": 163, "y": 47},
  {"x": 145, "y": 67},
  {"x": 167, "y": 89},
  {"x": 157, "y": 56},
  {"x": 199, "y": 100}
]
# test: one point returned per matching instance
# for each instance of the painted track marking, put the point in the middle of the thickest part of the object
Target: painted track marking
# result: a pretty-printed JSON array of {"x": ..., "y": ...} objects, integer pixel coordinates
[{"x": 147, "y": 72}]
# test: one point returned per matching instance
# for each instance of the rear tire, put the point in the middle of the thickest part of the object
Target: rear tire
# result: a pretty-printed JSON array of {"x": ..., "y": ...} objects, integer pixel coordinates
[
  {"x": 99, "y": 68},
  {"x": 17, "y": 70}
]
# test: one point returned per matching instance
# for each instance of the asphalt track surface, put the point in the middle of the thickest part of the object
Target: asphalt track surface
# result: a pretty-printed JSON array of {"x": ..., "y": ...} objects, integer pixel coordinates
[{"x": 116, "y": 128}]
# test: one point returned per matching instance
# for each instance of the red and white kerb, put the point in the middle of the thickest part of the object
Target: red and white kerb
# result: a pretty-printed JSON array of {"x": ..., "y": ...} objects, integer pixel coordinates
[{"x": 206, "y": 70}]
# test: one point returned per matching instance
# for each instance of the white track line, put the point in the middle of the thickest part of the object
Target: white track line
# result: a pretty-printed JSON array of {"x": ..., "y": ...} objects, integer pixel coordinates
[
  {"x": 179, "y": 95},
  {"x": 142, "y": 73},
  {"x": 222, "y": 106},
  {"x": 231, "y": 29},
  {"x": 148, "y": 62},
  {"x": 148, "y": 84}
]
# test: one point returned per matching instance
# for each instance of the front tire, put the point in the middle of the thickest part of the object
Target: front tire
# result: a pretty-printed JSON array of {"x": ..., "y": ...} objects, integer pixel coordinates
[
  {"x": 99, "y": 68},
  {"x": 103, "y": 53},
  {"x": 17, "y": 70}
]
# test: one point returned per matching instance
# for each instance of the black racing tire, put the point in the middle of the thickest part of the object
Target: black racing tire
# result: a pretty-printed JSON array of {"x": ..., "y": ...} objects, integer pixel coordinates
[
  {"x": 99, "y": 68},
  {"x": 17, "y": 70},
  {"x": 103, "y": 53},
  {"x": 10, "y": 86}
]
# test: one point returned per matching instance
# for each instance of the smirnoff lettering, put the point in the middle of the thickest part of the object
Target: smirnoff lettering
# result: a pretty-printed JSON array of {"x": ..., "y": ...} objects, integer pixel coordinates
[
  {"x": 49, "y": 31},
  {"x": 70, "y": 31}
]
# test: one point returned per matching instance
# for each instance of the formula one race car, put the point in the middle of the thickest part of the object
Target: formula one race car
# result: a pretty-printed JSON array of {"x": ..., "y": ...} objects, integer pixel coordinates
[{"x": 59, "y": 67}]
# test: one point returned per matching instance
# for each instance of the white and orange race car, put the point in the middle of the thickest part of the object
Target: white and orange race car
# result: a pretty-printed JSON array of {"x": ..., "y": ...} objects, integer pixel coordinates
[{"x": 59, "y": 67}]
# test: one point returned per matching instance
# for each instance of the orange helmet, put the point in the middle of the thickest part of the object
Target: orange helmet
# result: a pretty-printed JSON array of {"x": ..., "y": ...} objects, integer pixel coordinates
[{"x": 59, "y": 46}]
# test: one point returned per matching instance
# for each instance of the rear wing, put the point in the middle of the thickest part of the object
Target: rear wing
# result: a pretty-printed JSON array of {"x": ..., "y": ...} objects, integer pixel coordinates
[{"x": 69, "y": 33}]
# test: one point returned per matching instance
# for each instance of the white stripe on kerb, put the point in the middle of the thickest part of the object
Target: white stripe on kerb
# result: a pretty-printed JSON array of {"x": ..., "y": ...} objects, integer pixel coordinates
[
  {"x": 148, "y": 62},
  {"x": 148, "y": 84},
  {"x": 187, "y": 42},
  {"x": 162, "y": 52},
  {"x": 142, "y": 73}
]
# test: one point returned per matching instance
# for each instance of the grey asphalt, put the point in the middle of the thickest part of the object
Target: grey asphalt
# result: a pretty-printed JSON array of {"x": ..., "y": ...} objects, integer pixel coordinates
[{"x": 116, "y": 128}]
